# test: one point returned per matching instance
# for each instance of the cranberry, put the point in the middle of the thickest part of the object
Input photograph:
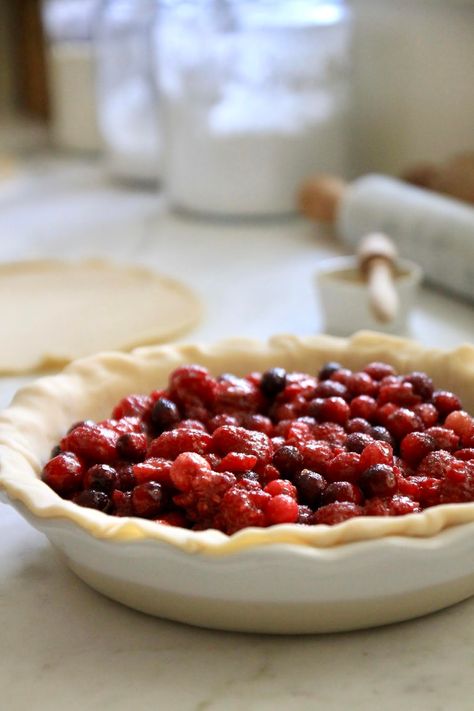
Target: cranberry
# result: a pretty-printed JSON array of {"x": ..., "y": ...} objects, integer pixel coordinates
[
  {"x": 132, "y": 406},
  {"x": 310, "y": 485},
  {"x": 342, "y": 491},
  {"x": 259, "y": 423},
  {"x": 281, "y": 486},
  {"x": 331, "y": 409},
  {"x": 427, "y": 413},
  {"x": 317, "y": 455},
  {"x": 237, "y": 462},
  {"x": 148, "y": 499},
  {"x": 378, "y": 371},
  {"x": 330, "y": 388},
  {"x": 101, "y": 477},
  {"x": 444, "y": 438},
  {"x": 164, "y": 414},
  {"x": 126, "y": 477},
  {"x": 375, "y": 453},
  {"x": 273, "y": 382},
  {"x": 427, "y": 490},
  {"x": 361, "y": 384},
  {"x": 421, "y": 383},
  {"x": 378, "y": 480},
  {"x": 381, "y": 434},
  {"x": 193, "y": 383},
  {"x": 173, "y": 518},
  {"x": 92, "y": 499},
  {"x": 344, "y": 467},
  {"x": 269, "y": 473},
  {"x": 358, "y": 424},
  {"x": 465, "y": 454},
  {"x": 329, "y": 369},
  {"x": 415, "y": 446},
  {"x": 93, "y": 442},
  {"x": 400, "y": 393},
  {"x": 64, "y": 473},
  {"x": 132, "y": 446},
  {"x": 403, "y": 422},
  {"x": 222, "y": 420},
  {"x": 122, "y": 502},
  {"x": 446, "y": 402},
  {"x": 342, "y": 375},
  {"x": 337, "y": 513},
  {"x": 288, "y": 460},
  {"x": 236, "y": 394},
  {"x": 357, "y": 441},
  {"x": 460, "y": 422},
  {"x": 305, "y": 515},
  {"x": 173, "y": 442},
  {"x": 281, "y": 509},
  {"x": 363, "y": 406}
]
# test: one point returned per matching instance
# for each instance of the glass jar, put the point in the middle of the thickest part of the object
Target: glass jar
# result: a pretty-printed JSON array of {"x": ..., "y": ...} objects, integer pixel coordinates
[
  {"x": 126, "y": 91},
  {"x": 254, "y": 97},
  {"x": 68, "y": 28}
]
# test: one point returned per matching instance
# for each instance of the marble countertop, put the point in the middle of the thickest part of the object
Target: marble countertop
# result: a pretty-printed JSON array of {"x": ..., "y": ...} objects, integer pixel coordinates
[{"x": 65, "y": 646}]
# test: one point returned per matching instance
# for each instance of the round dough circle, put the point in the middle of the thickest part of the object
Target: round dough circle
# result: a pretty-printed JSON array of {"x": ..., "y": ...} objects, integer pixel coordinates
[{"x": 54, "y": 312}]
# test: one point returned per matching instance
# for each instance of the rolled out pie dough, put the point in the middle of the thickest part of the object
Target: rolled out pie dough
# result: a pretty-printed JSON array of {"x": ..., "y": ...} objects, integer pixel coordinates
[{"x": 53, "y": 312}]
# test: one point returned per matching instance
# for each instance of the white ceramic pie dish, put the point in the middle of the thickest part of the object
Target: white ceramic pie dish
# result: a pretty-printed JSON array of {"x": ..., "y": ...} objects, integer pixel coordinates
[{"x": 283, "y": 579}]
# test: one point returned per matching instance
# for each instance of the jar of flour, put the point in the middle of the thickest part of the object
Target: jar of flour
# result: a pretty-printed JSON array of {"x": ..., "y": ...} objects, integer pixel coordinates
[{"x": 253, "y": 98}]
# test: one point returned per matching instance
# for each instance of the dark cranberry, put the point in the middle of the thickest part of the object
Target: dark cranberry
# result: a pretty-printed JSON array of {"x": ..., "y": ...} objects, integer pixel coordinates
[
  {"x": 358, "y": 424},
  {"x": 126, "y": 477},
  {"x": 381, "y": 434},
  {"x": 378, "y": 480},
  {"x": 378, "y": 371},
  {"x": 101, "y": 477},
  {"x": 148, "y": 499},
  {"x": 342, "y": 491},
  {"x": 421, "y": 383},
  {"x": 343, "y": 375},
  {"x": 132, "y": 446},
  {"x": 330, "y": 388},
  {"x": 164, "y": 414},
  {"x": 92, "y": 499},
  {"x": 310, "y": 486},
  {"x": 288, "y": 460},
  {"x": 55, "y": 451},
  {"x": 446, "y": 402},
  {"x": 357, "y": 441},
  {"x": 328, "y": 369},
  {"x": 273, "y": 382},
  {"x": 305, "y": 515},
  {"x": 331, "y": 409}
]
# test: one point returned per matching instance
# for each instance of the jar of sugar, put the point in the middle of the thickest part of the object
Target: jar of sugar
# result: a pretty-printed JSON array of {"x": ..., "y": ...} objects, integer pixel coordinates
[
  {"x": 253, "y": 97},
  {"x": 126, "y": 90}
]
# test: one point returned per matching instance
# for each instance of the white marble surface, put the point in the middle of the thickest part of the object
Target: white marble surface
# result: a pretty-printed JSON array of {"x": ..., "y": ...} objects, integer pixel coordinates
[{"x": 66, "y": 647}]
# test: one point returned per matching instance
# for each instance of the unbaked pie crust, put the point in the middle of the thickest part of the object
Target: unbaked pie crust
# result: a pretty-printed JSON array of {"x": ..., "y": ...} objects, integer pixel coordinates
[{"x": 41, "y": 412}]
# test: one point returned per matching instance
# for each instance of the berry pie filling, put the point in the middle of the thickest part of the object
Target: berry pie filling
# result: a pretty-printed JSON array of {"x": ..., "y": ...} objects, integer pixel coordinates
[{"x": 271, "y": 448}]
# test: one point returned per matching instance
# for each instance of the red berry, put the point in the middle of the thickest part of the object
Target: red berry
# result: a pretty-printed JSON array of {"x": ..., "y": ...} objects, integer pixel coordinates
[
  {"x": 330, "y": 432},
  {"x": 288, "y": 460},
  {"x": 361, "y": 384},
  {"x": 460, "y": 422},
  {"x": 101, "y": 477},
  {"x": 237, "y": 439},
  {"x": 281, "y": 509},
  {"x": 173, "y": 518},
  {"x": 132, "y": 446},
  {"x": 132, "y": 406},
  {"x": 310, "y": 486},
  {"x": 444, "y": 438},
  {"x": 153, "y": 469},
  {"x": 222, "y": 420},
  {"x": 363, "y": 406},
  {"x": 172, "y": 443},
  {"x": 64, "y": 473},
  {"x": 237, "y": 462},
  {"x": 337, "y": 513},
  {"x": 238, "y": 511},
  {"x": 331, "y": 409},
  {"x": 434, "y": 465},
  {"x": 357, "y": 442},
  {"x": 330, "y": 388},
  {"x": 236, "y": 394},
  {"x": 403, "y": 422},
  {"x": 148, "y": 499},
  {"x": 421, "y": 383},
  {"x": 400, "y": 393},
  {"x": 122, "y": 503},
  {"x": 281, "y": 486},
  {"x": 376, "y": 453},
  {"x": 378, "y": 371},
  {"x": 378, "y": 480},
  {"x": 193, "y": 383},
  {"x": 446, "y": 402},
  {"x": 259, "y": 423},
  {"x": 358, "y": 424},
  {"x": 187, "y": 467},
  {"x": 317, "y": 455},
  {"x": 415, "y": 446},
  {"x": 342, "y": 491},
  {"x": 93, "y": 442},
  {"x": 427, "y": 413},
  {"x": 344, "y": 467}
]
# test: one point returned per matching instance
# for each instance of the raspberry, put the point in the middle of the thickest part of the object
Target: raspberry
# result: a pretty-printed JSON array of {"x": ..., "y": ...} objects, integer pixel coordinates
[
  {"x": 222, "y": 420},
  {"x": 456, "y": 492},
  {"x": 203, "y": 499},
  {"x": 132, "y": 446},
  {"x": 281, "y": 509},
  {"x": 148, "y": 499},
  {"x": 172, "y": 443},
  {"x": 273, "y": 382},
  {"x": 330, "y": 432},
  {"x": 443, "y": 438},
  {"x": 288, "y": 460},
  {"x": 236, "y": 394},
  {"x": 92, "y": 442},
  {"x": 237, "y": 511},
  {"x": 395, "y": 506},
  {"x": 378, "y": 371},
  {"x": 337, "y": 513},
  {"x": 188, "y": 424},
  {"x": 342, "y": 491},
  {"x": 375, "y": 453},
  {"x": 415, "y": 446},
  {"x": 281, "y": 486},
  {"x": 132, "y": 406},
  {"x": 427, "y": 490},
  {"x": 269, "y": 473},
  {"x": 344, "y": 467},
  {"x": 331, "y": 409},
  {"x": 299, "y": 432},
  {"x": 125, "y": 425},
  {"x": 363, "y": 406},
  {"x": 465, "y": 454},
  {"x": 193, "y": 383},
  {"x": 435, "y": 464},
  {"x": 317, "y": 455},
  {"x": 92, "y": 499},
  {"x": 186, "y": 468},
  {"x": 259, "y": 423},
  {"x": 101, "y": 477},
  {"x": 64, "y": 473},
  {"x": 236, "y": 439},
  {"x": 153, "y": 469},
  {"x": 446, "y": 402},
  {"x": 237, "y": 462},
  {"x": 310, "y": 486}
]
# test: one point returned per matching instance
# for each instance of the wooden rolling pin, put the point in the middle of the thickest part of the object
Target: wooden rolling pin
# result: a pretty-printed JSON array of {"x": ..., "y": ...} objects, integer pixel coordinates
[
  {"x": 433, "y": 230},
  {"x": 377, "y": 256}
]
